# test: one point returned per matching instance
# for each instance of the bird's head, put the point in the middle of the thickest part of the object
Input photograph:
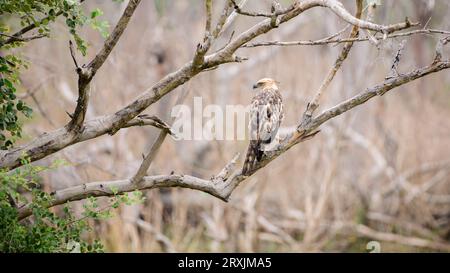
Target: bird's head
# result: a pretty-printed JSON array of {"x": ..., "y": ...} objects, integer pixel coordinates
[{"x": 266, "y": 83}]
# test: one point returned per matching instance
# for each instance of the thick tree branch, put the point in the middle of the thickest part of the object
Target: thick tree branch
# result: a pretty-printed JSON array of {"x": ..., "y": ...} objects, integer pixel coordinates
[
  {"x": 339, "y": 9},
  {"x": 126, "y": 185},
  {"x": 86, "y": 74},
  {"x": 260, "y": 14},
  {"x": 306, "y": 131},
  {"x": 223, "y": 184},
  {"x": 50, "y": 143}
]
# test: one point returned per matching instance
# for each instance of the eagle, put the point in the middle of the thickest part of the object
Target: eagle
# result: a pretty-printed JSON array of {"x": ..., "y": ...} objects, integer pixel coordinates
[{"x": 266, "y": 115}]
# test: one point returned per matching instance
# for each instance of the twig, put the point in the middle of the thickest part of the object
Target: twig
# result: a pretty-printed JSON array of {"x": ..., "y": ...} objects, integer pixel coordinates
[
  {"x": 369, "y": 18},
  {"x": 72, "y": 53},
  {"x": 226, "y": 171},
  {"x": 20, "y": 39},
  {"x": 396, "y": 61},
  {"x": 18, "y": 35},
  {"x": 146, "y": 120},
  {"x": 208, "y": 6},
  {"x": 314, "y": 104},
  {"x": 439, "y": 48},
  {"x": 326, "y": 41}
]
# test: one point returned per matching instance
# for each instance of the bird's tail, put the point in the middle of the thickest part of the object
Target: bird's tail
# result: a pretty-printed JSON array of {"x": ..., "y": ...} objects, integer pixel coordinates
[{"x": 254, "y": 154}]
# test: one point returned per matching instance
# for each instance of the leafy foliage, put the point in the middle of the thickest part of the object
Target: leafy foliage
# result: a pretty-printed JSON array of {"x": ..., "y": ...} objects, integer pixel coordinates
[
  {"x": 48, "y": 232},
  {"x": 10, "y": 106},
  {"x": 37, "y": 13}
]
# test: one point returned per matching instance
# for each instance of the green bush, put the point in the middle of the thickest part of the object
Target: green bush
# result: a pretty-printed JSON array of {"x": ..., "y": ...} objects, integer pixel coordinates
[{"x": 46, "y": 231}]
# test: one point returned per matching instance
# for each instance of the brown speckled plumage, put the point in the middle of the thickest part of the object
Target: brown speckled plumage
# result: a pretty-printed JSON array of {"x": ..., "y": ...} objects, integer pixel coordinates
[{"x": 266, "y": 114}]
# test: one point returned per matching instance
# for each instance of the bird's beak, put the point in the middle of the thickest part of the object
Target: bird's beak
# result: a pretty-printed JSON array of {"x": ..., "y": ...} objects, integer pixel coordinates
[{"x": 255, "y": 86}]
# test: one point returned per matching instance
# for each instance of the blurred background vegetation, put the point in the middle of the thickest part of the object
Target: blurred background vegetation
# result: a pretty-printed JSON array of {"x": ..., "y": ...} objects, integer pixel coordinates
[{"x": 378, "y": 173}]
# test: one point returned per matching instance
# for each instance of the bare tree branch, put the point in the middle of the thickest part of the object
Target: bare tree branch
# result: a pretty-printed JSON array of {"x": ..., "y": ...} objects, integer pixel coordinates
[
  {"x": 72, "y": 53},
  {"x": 114, "y": 37},
  {"x": 308, "y": 130},
  {"x": 148, "y": 159},
  {"x": 229, "y": 19},
  {"x": 146, "y": 120},
  {"x": 49, "y": 143},
  {"x": 260, "y": 14},
  {"x": 224, "y": 18},
  {"x": 222, "y": 185},
  {"x": 327, "y": 40},
  {"x": 20, "y": 39},
  {"x": 439, "y": 48},
  {"x": 104, "y": 188},
  {"x": 86, "y": 74},
  {"x": 314, "y": 104},
  {"x": 208, "y": 6},
  {"x": 396, "y": 61},
  {"x": 339, "y": 10}
]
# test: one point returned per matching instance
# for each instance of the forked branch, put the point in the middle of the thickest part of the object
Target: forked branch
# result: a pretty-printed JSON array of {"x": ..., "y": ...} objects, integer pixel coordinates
[{"x": 222, "y": 185}]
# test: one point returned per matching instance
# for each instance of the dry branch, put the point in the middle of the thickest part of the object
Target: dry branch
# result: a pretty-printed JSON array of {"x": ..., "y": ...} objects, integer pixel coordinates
[
  {"x": 146, "y": 120},
  {"x": 261, "y": 14},
  {"x": 314, "y": 104},
  {"x": 20, "y": 39},
  {"x": 222, "y": 185},
  {"x": 222, "y": 188},
  {"x": 327, "y": 41},
  {"x": 148, "y": 159},
  {"x": 50, "y": 143},
  {"x": 86, "y": 74}
]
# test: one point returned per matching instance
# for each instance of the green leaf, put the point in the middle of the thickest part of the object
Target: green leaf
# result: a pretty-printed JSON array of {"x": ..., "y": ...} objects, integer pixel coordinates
[
  {"x": 102, "y": 27},
  {"x": 96, "y": 12}
]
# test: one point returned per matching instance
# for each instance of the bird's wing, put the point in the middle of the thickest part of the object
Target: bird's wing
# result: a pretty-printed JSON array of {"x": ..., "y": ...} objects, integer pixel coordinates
[{"x": 266, "y": 114}]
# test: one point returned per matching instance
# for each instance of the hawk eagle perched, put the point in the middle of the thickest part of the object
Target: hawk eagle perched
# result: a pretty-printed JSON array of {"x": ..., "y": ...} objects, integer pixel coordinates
[{"x": 266, "y": 114}]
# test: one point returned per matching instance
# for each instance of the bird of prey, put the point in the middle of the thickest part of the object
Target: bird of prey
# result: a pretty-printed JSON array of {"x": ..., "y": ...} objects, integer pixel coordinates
[{"x": 266, "y": 114}]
